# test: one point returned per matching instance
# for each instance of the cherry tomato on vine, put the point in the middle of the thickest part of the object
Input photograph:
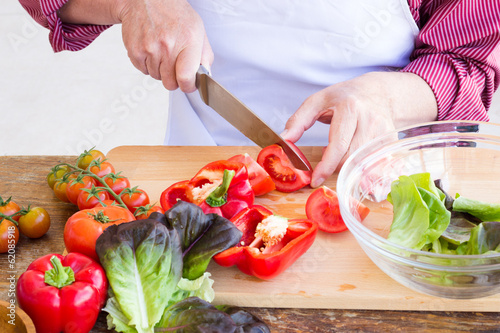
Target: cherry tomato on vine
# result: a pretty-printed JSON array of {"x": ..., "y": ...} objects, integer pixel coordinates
[
  {"x": 9, "y": 208},
  {"x": 285, "y": 176},
  {"x": 34, "y": 222},
  {"x": 116, "y": 182},
  {"x": 106, "y": 203},
  {"x": 75, "y": 184},
  {"x": 57, "y": 173},
  {"x": 60, "y": 189},
  {"x": 322, "y": 206},
  {"x": 143, "y": 212},
  {"x": 9, "y": 235},
  {"x": 101, "y": 168},
  {"x": 134, "y": 198},
  {"x": 90, "y": 197},
  {"x": 86, "y": 157}
]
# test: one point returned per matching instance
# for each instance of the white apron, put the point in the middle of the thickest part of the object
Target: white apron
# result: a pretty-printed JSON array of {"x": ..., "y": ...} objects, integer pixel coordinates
[{"x": 273, "y": 54}]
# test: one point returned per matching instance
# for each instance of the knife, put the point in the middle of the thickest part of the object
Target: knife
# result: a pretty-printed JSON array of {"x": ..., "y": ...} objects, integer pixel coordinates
[{"x": 241, "y": 117}]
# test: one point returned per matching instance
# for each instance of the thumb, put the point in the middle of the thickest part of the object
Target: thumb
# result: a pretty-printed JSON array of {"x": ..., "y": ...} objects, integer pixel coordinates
[{"x": 305, "y": 116}]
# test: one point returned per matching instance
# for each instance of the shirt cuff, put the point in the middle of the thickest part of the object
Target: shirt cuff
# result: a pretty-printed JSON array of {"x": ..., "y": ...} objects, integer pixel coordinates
[
  {"x": 62, "y": 36},
  {"x": 456, "y": 93}
]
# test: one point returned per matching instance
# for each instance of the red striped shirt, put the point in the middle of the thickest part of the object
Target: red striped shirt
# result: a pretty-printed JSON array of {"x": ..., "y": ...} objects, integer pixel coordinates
[{"x": 457, "y": 51}]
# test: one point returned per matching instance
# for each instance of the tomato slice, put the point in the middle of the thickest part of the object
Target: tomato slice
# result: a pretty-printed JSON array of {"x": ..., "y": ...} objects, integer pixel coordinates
[
  {"x": 259, "y": 179},
  {"x": 322, "y": 206},
  {"x": 285, "y": 176}
]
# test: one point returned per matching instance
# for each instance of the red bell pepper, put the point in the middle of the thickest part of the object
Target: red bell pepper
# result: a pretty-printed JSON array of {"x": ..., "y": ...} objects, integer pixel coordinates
[
  {"x": 63, "y": 294},
  {"x": 270, "y": 243},
  {"x": 220, "y": 187}
]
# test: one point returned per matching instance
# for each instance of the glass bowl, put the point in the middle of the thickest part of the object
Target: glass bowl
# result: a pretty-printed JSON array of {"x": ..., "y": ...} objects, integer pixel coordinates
[{"x": 465, "y": 155}]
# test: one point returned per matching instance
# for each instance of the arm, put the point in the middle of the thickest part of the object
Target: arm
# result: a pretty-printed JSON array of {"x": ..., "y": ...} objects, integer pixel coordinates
[
  {"x": 164, "y": 38},
  {"x": 453, "y": 76},
  {"x": 458, "y": 55}
]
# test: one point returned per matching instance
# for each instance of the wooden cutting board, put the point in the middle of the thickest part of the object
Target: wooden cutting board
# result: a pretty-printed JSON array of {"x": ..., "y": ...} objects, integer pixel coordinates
[{"x": 335, "y": 273}]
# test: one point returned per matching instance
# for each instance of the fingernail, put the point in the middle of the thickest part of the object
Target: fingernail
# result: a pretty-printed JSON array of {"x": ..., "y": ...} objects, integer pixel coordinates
[{"x": 317, "y": 182}]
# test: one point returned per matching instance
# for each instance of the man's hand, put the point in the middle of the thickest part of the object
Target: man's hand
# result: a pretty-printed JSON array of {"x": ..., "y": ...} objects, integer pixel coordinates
[
  {"x": 165, "y": 39},
  {"x": 359, "y": 110}
]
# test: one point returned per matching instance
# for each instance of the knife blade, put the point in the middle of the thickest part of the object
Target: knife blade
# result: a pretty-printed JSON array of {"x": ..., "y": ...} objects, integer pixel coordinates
[{"x": 241, "y": 117}]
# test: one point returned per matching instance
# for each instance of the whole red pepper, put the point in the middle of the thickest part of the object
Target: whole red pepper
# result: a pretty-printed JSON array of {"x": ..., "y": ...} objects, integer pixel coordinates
[
  {"x": 63, "y": 294},
  {"x": 220, "y": 187},
  {"x": 267, "y": 249}
]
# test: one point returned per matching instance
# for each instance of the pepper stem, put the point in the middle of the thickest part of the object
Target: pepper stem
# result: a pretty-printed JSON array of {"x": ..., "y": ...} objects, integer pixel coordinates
[
  {"x": 59, "y": 276},
  {"x": 218, "y": 197}
]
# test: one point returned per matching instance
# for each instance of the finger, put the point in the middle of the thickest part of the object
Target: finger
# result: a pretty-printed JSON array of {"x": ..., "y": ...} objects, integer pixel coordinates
[
  {"x": 139, "y": 61},
  {"x": 153, "y": 62},
  {"x": 207, "y": 54},
  {"x": 305, "y": 116},
  {"x": 167, "y": 73},
  {"x": 187, "y": 65},
  {"x": 342, "y": 130}
]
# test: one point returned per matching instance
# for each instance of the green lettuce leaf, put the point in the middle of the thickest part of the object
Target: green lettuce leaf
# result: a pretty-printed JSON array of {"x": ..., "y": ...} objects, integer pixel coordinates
[
  {"x": 411, "y": 214},
  {"x": 143, "y": 263},
  {"x": 201, "y": 287},
  {"x": 485, "y": 238},
  {"x": 488, "y": 212},
  {"x": 201, "y": 235},
  {"x": 195, "y": 315}
]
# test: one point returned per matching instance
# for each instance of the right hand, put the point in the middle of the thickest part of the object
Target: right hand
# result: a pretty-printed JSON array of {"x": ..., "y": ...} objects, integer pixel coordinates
[{"x": 165, "y": 39}]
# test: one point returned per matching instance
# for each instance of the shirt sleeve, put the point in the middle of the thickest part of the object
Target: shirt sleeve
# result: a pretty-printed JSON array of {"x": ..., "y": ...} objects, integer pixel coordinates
[
  {"x": 62, "y": 36},
  {"x": 458, "y": 54}
]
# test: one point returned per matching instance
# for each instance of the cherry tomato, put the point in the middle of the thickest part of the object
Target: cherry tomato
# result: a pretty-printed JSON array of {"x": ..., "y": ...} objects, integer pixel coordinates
[
  {"x": 259, "y": 179},
  {"x": 75, "y": 184},
  {"x": 84, "y": 227},
  {"x": 134, "y": 198},
  {"x": 106, "y": 203},
  {"x": 86, "y": 157},
  {"x": 100, "y": 168},
  {"x": 34, "y": 222},
  {"x": 57, "y": 173},
  {"x": 322, "y": 206},
  {"x": 9, "y": 235},
  {"x": 90, "y": 197},
  {"x": 177, "y": 191},
  {"x": 9, "y": 208},
  {"x": 116, "y": 182},
  {"x": 143, "y": 212},
  {"x": 285, "y": 176},
  {"x": 60, "y": 190}
]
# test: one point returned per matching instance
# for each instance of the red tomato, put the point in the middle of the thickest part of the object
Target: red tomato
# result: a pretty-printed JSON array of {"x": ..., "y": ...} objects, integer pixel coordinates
[
  {"x": 73, "y": 189},
  {"x": 116, "y": 182},
  {"x": 101, "y": 168},
  {"x": 259, "y": 179},
  {"x": 90, "y": 197},
  {"x": 105, "y": 203},
  {"x": 134, "y": 198},
  {"x": 9, "y": 208},
  {"x": 9, "y": 236},
  {"x": 84, "y": 227},
  {"x": 322, "y": 206},
  {"x": 285, "y": 176},
  {"x": 143, "y": 212},
  {"x": 177, "y": 191},
  {"x": 87, "y": 157}
]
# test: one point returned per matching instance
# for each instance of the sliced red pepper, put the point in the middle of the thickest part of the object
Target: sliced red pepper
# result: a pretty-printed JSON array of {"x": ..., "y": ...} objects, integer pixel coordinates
[
  {"x": 266, "y": 261},
  {"x": 63, "y": 294},
  {"x": 260, "y": 180},
  {"x": 220, "y": 187}
]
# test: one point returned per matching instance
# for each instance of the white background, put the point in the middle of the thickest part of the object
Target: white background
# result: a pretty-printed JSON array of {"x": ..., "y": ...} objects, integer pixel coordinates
[{"x": 61, "y": 104}]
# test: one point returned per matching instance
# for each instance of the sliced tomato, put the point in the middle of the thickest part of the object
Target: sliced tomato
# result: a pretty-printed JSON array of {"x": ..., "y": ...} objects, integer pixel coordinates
[
  {"x": 259, "y": 179},
  {"x": 175, "y": 192},
  {"x": 322, "y": 206},
  {"x": 285, "y": 176}
]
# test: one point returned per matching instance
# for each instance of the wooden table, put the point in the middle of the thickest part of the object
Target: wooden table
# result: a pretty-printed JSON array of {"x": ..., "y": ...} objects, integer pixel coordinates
[{"x": 23, "y": 178}]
